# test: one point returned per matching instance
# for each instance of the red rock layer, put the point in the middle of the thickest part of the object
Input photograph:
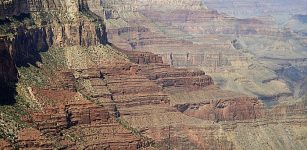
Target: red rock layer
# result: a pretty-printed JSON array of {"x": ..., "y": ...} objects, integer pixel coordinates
[
  {"x": 133, "y": 90},
  {"x": 242, "y": 108},
  {"x": 166, "y": 75},
  {"x": 67, "y": 113},
  {"x": 105, "y": 136},
  {"x": 5, "y": 145},
  {"x": 288, "y": 110},
  {"x": 30, "y": 138},
  {"x": 143, "y": 57}
]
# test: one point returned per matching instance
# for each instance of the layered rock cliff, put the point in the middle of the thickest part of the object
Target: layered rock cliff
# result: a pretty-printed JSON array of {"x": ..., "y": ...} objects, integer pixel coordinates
[
  {"x": 212, "y": 41},
  {"x": 77, "y": 91},
  {"x": 28, "y": 29},
  {"x": 24, "y": 34},
  {"x": 228, "y": 48}
]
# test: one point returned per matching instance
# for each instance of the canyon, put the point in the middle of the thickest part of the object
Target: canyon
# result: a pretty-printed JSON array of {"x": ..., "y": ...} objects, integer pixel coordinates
[
  {"x": 93, "y": 74},
  {"x": 232, "y": 50}
]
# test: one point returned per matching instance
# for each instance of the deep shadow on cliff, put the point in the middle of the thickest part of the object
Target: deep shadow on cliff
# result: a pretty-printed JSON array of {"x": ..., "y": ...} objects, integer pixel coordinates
[
  {"x": 7, "y": 94},
  {"x": 21, "y": 50},
  {"x": 8, "y": 76},
  {"x": 22, "y": 40},
  {"x": 13, "y": 51}
]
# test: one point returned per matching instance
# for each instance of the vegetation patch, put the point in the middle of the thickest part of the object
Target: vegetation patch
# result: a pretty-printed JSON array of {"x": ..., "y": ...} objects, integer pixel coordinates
[
  {"x": 9, "y": 25},
  {"x": 12, "y": 116},
  {"x": 42, "y": 74}
]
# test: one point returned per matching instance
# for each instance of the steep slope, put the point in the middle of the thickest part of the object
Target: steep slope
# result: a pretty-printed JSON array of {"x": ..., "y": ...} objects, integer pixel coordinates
[
  {"x": 175, "y": 36},
  {"x": 48, "y": 112},
  {"x": 77, "y": 91},
  {"x": 24, "y": 35}
]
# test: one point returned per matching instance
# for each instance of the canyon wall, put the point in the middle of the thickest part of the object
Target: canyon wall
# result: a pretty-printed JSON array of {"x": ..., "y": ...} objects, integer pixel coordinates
[
  {"x": 13, "y": 8},
  {"x": 105, "y": 97},
  {"x": 8, "y": 74},
  {"x": 226, "y": 47},
  {"x": 63, "y": 115},
  {"x": 38, "y": 25}
]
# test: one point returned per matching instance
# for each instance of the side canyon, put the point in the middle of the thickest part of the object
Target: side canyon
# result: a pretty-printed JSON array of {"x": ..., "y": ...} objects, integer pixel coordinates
[{"x": 96, "y": 74}]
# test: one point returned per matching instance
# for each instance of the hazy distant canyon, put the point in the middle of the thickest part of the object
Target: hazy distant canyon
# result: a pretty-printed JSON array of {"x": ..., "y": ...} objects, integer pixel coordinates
[
  {"x": 240, "y": 52},
  {"x": 152, "y": 74}
]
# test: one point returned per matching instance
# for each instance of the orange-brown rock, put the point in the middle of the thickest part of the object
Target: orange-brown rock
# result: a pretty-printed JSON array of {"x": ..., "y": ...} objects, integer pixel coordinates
[
  {"x": 53, "y": 24},
  {"x": 64, "y": 80},
  {"x": 120, "y": 86},
  {"x": 143, "y": 57},
  {"x": 164, "y": 74},
  {"x": 134, "y": 90},
  {"x": 30, "y": 138},
  {"x": 68, "y": 113},
  {"x": 289, "y": 110},
  {"x": 241, "y": 108},
  {"x": 63, "y": 109},
  {"x": 5, "y": 145},
  {"x": 105, "y": 136},
  {"x": 168, "y": 77}
]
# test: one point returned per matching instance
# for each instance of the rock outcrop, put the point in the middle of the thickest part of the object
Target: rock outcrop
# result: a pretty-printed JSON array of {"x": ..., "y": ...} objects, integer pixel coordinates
[
  {"x": 30, "y": 138},
  {"x": 109, "y": 98},
  {"x": 58, "y": 24},
  {"x": 63, "y": 25},
  {"x": 133, "y": 92},
  {"x": 242, "y": 108},
  {"x": 5, "y": 145},
  {"x": 208, "y": 40},
  {"x": 78, "y": 123},
  {"x": 38, "y": 25},
  {"x": 132, "y": 5},
  {"x": 8, "y": 74}
]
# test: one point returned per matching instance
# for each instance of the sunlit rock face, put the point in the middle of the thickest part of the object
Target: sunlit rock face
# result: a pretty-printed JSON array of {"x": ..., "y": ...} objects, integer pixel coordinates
[
  {"x": 30, "y": 27},
  {"x": 214, "y": 41},
  {"x": 90, "y": 94}
]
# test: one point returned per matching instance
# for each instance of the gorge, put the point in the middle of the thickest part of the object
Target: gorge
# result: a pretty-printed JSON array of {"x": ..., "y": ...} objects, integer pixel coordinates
[{"x": 150, "y": 74}]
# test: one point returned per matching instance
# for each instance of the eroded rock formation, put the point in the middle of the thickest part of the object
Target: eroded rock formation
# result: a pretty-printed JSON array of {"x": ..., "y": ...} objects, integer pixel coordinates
[
  {"x": 57, "y": 24},
  {"x": 105, "y": 97},
  {"x": 34, "y": 31},
  {"x": 209, "y": 40},
  {"x": 78, "y": 123},
  {"x": 243, "y": 108}
]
